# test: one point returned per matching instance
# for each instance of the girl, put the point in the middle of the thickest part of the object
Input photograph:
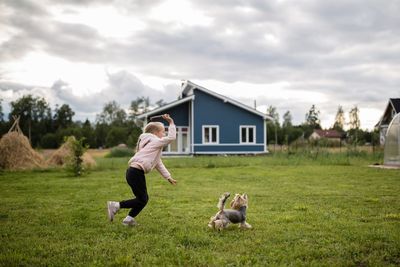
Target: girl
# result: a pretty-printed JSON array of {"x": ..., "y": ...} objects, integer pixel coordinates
[{"x": 148, "y": 156}]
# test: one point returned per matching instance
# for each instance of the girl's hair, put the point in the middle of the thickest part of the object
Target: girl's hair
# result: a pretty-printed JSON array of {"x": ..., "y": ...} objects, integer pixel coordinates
[{"x": 153, "y": 127}]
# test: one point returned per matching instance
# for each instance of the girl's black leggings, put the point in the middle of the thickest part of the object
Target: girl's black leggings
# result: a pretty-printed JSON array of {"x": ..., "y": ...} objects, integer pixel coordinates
[{"x": 137, "y": 182}]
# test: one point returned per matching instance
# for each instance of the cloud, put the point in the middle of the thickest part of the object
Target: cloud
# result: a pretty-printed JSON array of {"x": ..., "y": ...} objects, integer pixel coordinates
[
  {"x": 346, "y": 51},
  {"x": 123, "y": 87}
]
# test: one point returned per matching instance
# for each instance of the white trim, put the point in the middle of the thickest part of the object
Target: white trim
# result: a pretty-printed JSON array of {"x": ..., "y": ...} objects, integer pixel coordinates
[
  {"x": 165, "y": 153},
  {"x": 168, "y": 106},
  {"x": 265, "y": 137},
  {"x": 191, "y": 124},
  {"x": 188, "y": 85},
  {"x": 231, "y": 152},
  {"x": 247, "y": 127},
  {"x": 230, "y": 144},
  {"x": 203, "y": 127}
]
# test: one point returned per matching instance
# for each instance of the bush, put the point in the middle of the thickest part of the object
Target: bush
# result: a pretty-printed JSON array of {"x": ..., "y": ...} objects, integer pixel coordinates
[
  {"x": 78, "y": 149},
  {"x": 120, "y": 152}
]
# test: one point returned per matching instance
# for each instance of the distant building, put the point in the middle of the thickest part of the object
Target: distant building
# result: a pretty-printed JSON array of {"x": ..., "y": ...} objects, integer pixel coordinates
[
  {"x": 392, "y": 108},
  {"x": 328, "y": 134},
  {"x": 210, "y": 123}
]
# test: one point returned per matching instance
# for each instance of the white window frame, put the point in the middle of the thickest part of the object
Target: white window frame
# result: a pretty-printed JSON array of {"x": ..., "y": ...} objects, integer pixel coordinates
[
  {"x": 204, "y": 131},
  {"x": 247, "y": 127}
]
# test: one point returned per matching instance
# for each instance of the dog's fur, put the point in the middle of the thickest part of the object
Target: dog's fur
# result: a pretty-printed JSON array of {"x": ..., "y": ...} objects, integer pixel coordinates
[{"x": 237, "y": 214}]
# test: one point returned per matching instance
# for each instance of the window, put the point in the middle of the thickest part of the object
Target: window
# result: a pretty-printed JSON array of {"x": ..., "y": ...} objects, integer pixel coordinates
[
  {"x": 181, "y": 143},
  {"x": 247, "y": 134},
  {"x": 210, "y": 134}
]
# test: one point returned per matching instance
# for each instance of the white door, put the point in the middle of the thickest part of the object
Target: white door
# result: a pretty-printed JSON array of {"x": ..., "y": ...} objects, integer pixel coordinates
[{"x": 181, "y": 145}]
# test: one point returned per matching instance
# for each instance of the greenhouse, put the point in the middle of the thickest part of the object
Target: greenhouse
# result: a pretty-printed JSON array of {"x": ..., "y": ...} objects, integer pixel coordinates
[{"x": 392, "y": 143}]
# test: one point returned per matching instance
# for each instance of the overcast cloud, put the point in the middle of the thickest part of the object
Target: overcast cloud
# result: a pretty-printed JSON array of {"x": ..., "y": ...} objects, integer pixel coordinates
[{"x": 289, "y": 54}]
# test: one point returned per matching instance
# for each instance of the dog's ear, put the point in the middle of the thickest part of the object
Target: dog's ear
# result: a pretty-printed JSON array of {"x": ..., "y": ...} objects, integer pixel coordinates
[{"x": 245, "y": 196}]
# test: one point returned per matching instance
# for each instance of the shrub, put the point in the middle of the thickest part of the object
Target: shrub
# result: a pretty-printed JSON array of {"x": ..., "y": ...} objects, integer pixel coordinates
[
  {"x": 78, "y": 149},
  {"x": 120, "y": 152}
]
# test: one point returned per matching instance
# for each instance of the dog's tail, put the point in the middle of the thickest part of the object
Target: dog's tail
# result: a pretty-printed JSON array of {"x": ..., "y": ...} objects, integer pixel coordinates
[{"x": 222, "y": 200}]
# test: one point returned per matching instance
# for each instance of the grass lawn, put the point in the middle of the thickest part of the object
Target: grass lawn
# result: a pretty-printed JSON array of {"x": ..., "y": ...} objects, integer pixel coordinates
[{"x": 332, "y": 210}]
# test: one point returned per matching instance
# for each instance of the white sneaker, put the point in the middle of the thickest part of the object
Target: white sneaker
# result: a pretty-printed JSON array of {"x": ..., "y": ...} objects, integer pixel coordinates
[
  {"x": 129, "y": 221},
  {"x": 112, "y": 208}
]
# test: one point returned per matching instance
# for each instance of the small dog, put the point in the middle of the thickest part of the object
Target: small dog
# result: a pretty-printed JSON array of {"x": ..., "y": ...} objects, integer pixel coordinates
[{"x": 237, "y": 214}]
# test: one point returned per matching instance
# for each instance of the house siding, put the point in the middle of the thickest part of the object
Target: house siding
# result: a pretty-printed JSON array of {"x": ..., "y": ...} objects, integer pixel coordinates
[
  {"x": 179, "y": 113},
  {"x": 230, "y": 148},
  {"x": 210, "y": 110}
]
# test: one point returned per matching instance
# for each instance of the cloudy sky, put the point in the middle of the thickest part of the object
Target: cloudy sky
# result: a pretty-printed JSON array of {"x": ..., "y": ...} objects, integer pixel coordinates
[{"x": 290, "y": 54}]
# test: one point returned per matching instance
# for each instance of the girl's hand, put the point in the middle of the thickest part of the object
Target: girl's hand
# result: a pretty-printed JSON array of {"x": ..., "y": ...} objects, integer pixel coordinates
[
  {"x": 168, "y": 118},
  {"x": 172, "y": 181}
]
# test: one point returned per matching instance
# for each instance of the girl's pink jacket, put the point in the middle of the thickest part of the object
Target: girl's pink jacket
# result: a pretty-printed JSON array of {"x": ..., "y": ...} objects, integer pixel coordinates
[{"x": 149, "y": 149}]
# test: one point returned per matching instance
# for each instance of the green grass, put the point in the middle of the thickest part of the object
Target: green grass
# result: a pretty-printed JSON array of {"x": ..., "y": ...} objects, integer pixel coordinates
[{"x": 329, "y": 210}]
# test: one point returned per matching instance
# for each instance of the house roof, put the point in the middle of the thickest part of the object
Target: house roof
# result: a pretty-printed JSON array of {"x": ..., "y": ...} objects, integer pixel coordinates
[
  {"x": 187, "y": 95},
  {"x": 189, "y": 86},
  {"x": 165, "y": 107},
  {"x": 393, "y": 104},
  {"x": 328, "y": 133},
  {"x": 396, "y": 104}
]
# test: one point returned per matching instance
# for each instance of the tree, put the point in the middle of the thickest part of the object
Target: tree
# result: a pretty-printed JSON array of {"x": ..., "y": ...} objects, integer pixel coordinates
[
  {"x": 273, "y": 126},
  {"x": 134, "y": 136},
  {"x": 354, "y": 124},
  {"x": 160, "y": 103},
  {"x": 3, "y": 124},
  {"x": 112, "y": 115},
  {"x": 271, "y": 111},
  {"x": 49, "y": 140},
  {"x": 100, "y": 131},
  {"x": 354, "y": 120},
  {"x": 116, "y": 136},
  {"x": 139, "y": 106},
  {"x": 73, "y": 130},
  {"x": 287, "y": 120},
  {"x": 1, "y": 111},
  {"x": 312, "y": 118},
  {"x": 63, "y": 116},
  {"x": 289, "y": 132},
  {"x": 339, "y": 120},
  {"x": 35, "y": 116},
  {"x": 89, "y": 134}
]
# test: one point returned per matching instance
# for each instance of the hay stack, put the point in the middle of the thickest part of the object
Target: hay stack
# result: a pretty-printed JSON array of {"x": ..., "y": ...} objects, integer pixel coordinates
[
  {"x": 16, "y": 153},
  {"x": 64, "y": 154}
]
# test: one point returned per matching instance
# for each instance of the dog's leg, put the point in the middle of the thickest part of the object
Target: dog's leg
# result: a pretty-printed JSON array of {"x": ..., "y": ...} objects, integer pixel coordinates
[
  {"x": 244, "y": 225},
  {"x": 226, "y": 223}
]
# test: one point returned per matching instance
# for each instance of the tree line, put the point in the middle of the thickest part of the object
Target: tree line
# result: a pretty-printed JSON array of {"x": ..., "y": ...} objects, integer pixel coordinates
[
  {"x": 46, "y": 128},
  {"x": 286, "y": 133}
]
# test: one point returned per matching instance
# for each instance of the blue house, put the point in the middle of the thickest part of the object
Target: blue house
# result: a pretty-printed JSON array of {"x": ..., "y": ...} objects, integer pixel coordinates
[{"x": 210, "y": 123}]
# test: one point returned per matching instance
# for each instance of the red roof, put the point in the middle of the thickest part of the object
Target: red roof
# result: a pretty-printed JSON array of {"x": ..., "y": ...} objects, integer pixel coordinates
[{"x": 328, "y": 133}]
